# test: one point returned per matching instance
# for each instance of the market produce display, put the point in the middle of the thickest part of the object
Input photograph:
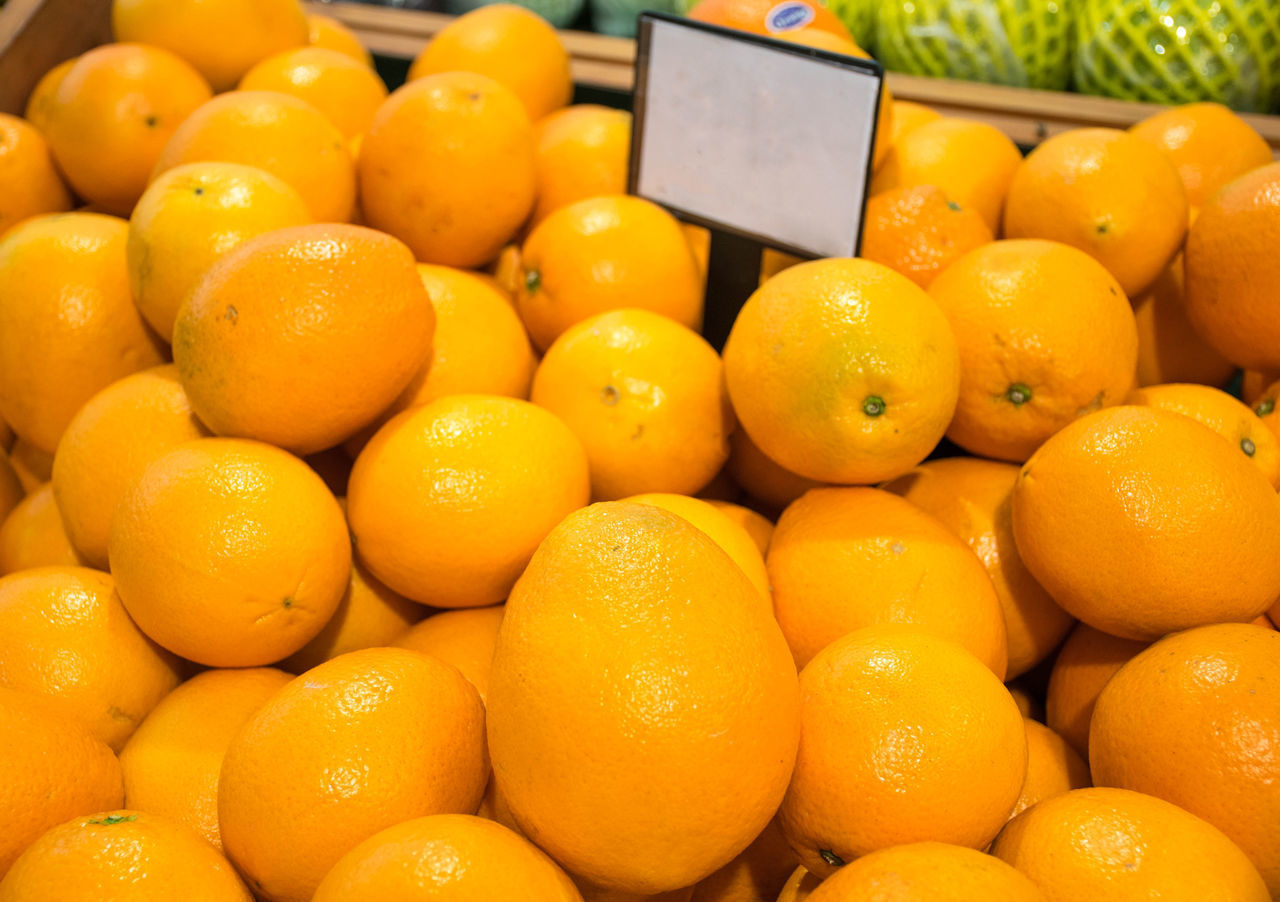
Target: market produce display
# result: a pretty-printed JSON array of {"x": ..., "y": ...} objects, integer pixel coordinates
[{"x": 376, "y": 524}]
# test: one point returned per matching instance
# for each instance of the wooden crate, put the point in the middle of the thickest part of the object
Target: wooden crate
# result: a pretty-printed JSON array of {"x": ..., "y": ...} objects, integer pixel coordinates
[{"x": 36, "y": 35}]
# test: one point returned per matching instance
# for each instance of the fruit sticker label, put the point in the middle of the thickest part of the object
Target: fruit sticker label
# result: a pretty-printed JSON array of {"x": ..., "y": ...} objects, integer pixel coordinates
[{"x": 788, "y": 16}]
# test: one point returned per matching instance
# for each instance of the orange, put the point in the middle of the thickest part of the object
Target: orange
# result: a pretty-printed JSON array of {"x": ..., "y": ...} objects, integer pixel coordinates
[
  {"x": 29, "y": 180},
  {"x": 1191, "y": 720},
  {"x": 762, "y": 478},
  {"x": 446, "y": 856},
  {"x": 171, "y": 762},
  {"x": 347, "y": 91},
  {"x": 1106, "y": 192},
  {"x": 1169, "y": 348},
  {"x": 756, "y": 875},
  {"x": 11, "y": 490},
  {"x": 33, "y": 535},
  {"x": 581, "y": 151},
  {"x": 282, "y": 134},
  {"x": 221, "y": 38},
  {"x": 645, "y": 396},
  {"x": 33, "y": 466},
  {"x": 436, "y": 477},
  {"x": 1264, "y": 407},
  {"x": 229, "y": 552},
  {"x": 463, "y": 638},
  {"x": 37, "y": 795},
  {"x": 1111, "y": 844},
  {"x": 757, "y": 525},
  {"x": 372, "y": 738},
  {"x": 842, "y": 371},
  {"x": 972, "y": 162},
  {"x": 1229, "y": 260},
  {"x": 1223, "y": 414},
  {"x": 1209, "y": 145},
  {"x": 1046, "y": 335},
  {"x": 109, "y": 443},
  {"x": 1141, "y": 522},
  {"x": 846, "y": 558},
  {"x": 1254, "y": 383},
  {"x": 448, "y": 167},
  {"x": 904, "y": 738},
  {"x": 328, "y": 32},
  {"x": 68, "y": 326},
  {"x": 927, "y": 872},
  {"x": 114, "y": 112},
  {"x": 756, "y": 16},
  {"x": 122, "y": 854},
  {"x": 188, "y": 219},
  {"x": 42, "y": 101},
  {"x": 799, "y": 886},
  {"x": 656, "y": 741},
  {"x": 606, "y": 253},
  {"x": 1087, "y": 660},
  {"x": 909, "y": 116},
  {"x": 594, "y": 893},
  {"x": 249, "y": 339},
  {"x": 1053, "y": 767},
  {"x": 971, "y": 498},
  {"x": 919, "y": 233}
]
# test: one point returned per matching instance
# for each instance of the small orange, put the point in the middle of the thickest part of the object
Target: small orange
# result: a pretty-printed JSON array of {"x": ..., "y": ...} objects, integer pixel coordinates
[
  {"x": 972, "y": 162},
  {"x": 328, "y": 32},
  {"x": 1141, "y": 522},
  {"x": 918, "y": 232},
  {"x": 763, "y": 478},
  {"x": 463, "y": 638},
  {"x": 33, "y": 466},
  {"x": 33, "y": 535},
  {"x": 757, "y": 17},
  {"x": 927, "y": 872},
  {"x": 904, "y": 737},
  {"x": 909, "y": 116},
  {"x": 446, "y": 856},
  {"x": 1169, "y": 348},
  {"x": 1115, "y": 844},
  {"x": 284, "y": 135},
  {"x": 448, "y": 168},
  {"x": 1106, "y": 192},
  {"x": 581, "y": 151},
  {"x": 646, "y": 398},
  {"x": 757, "y": 525},
  {"x": 29, "y": 180},
  {"x": 372, "y": 738},
  {"x": 842, "y": 371},
  {"x": 799, "y": 886},
  {"x": 606, "y": 253},
  {"x": 846, "y": 558},
  {"x": 756, "y": 875},
  {"x": 248, "y": 339},
  {"x": 348, "y": 92},
  {"x": 1053, "y": 767},
  {"x": 1255, "y": 385},
  {"x": 1086, "y": 662},
  {"x": 171, "y": 762},
  {"x": 1046, "y": 335},
  {"x": 11, "y": 490},
  {"x": 229, "y": 552},
  {"x": 43, "y": 100},
  {"x": 221, "y": 38}
]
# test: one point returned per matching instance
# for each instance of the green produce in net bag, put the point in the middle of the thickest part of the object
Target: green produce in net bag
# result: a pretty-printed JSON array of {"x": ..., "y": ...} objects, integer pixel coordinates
[
  {"x": 1181, "y": 51},
  {"x": 559, "y": 13},
  {"x": 618, "y": 17},
  {"x": 1025, "y": 43},
  {"x": 859, "y": 16}
]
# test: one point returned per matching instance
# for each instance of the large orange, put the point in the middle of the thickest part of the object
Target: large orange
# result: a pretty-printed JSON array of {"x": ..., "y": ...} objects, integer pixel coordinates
[
  {"x": 32, "y": 535},
  {"x": 658, "y": 735},
  {"x": 229, "y": 552},
  {"x": 1141, "y": 521},
  {"x": 581, "y": 151},
  {"x": 918, "y": 232},
  {"x": 29, "y": 179},
  {"x": 927, "y": 872},
  {"x": 1191, "y": 720},
  {"x": 1045, "y": 335},
  {"x": 756, "y": 875},
  {"x": 326, "y": 31},
  {"x": 348, "y": 92},
  {"x": 1169, "y": 347},
  {"x": 463, "y": 638},
  {"x": 301, "y": 336},
  {"x": 1106, "y": 192},
  {"x": 758, "y": 17},
  {"x": 1053, "y": 767},
  {"x": 448, "y": 168},
  {"x": 764, "y": 479},
  {"x": 68, "y": 326},
  {"x": 646, "y": 397},
  {"x": 1085, "y": 663},
  {"x": 372, "y": 739},
  {"x": 904, "y": 738},
  {"x": 842, "y": 371}
]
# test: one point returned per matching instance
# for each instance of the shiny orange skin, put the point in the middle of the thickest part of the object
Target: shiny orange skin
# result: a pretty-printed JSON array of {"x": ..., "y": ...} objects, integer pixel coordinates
[
  {"x": 971, "y": 497},
  {"x": 1202, "y": 545},
  {"x": 448, "y": 168},
  {"x": 756, "y": 875},
  {"x": 115, "y": 110},
  {"x": 657, "y": 740},
  {"x": 29, "y": 179},
  {"x": 463, "y": 638},
  {"x": 122, "y": 854},
  {"x": 1112, "y": 844},
  {"x": 229, "y": 552},
  {"x": 43, "y": 98},
  {"x": 581, "y": 151},
  {"x": 1191, "y": 720},
  {"x": 348, "y": 92},
  {"x": 752, "y": 16},
  {"x": 171, "y": 763},
  {"x": 328, "y": 32},
  {"x": 918, "y": 232},
  {"x": 68, "y": 326},
  {"x": 757, "y": 525},
  {"x": 373, "y": 738},
  {"x": 1085, "y": 663},
  {"x": 927, "y": 872},
  {"x": 437, "y": 476},
  {"x": 282, "y": 134},
  {"x": 1045, "y": 336},
  {"x": 247, "y": 339},
  {"x": 38, "y": 796},
  {"x": 860, "y": 785},
  {"x": 645, "y": 396},
  {"x": 1053, "y": 767},
  {"x": 1169, "y": 348},
  {"x": 33, "y": 535},
  {"x": 1106, "y": 192},
  {"x": 762, "y": 477}
]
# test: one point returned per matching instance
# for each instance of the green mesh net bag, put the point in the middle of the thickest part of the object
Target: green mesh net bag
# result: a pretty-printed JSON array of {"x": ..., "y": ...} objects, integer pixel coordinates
[
  {"x": 859, "y": 16},
  {"x": 618, "y": 17},
  {"x": 1181, "y": 51},
  {"x": 559, "y": 13}
]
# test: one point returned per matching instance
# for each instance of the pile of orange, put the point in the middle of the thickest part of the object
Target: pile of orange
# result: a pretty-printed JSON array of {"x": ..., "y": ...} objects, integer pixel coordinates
[{"x": 376, "y": 524}]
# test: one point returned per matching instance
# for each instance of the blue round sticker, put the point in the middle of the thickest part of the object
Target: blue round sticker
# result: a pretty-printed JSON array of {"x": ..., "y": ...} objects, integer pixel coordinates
[{"x": 789, "y": 16}]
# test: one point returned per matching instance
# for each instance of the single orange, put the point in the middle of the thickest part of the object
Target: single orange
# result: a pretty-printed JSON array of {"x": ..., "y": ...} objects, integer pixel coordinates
[
  {"x": 761, "y": 477},
  {"x": 799, "y": 886},
  {"x": 918, "y": 232},
  {"x": 928, "y": 872},
  {"x": 1254, "y": 383},
  {"x": 764, "y": 17},
  {"x": 29, "y": 179},
  {"x": 1264, "y": 405},
  {"x": 42, "y": 101},
  {"x": 1053, "y": 767},
  {"x": 328, "y": 32},
  {"x": 757, "y": 525},
  {"x": 347, "y": 91},
  {"x": 1085, "y": 663},
  {"x": 11, "y": 490},
  {"x": 32, "y": 535},
  {"x": 909, "y": 116},
  {"x": 581, "y": 151},
  {"x": 1169, "y": 347},
  {"x": 463, "y": 638},
  {"x": 33, "y": 466},
  {"x": 756, "y": 875}
]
